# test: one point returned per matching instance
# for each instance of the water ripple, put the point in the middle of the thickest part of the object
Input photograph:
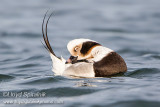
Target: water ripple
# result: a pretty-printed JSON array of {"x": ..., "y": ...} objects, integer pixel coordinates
[
  {"x": 27, "y": 65},
  {"x": 38, "y": 81},
  {"x": 135, "y": 103},
  {"x": 28, "y": 35},
  {"x": 143, "y": 72},
  {"x": 107, "y": 30},
  {"x": 4, "y": 78},
  {"x": 68, "y": 91}
]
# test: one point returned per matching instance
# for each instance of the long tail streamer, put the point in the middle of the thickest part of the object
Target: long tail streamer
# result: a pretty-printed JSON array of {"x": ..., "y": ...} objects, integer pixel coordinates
[{"x": 45, "y": 37}]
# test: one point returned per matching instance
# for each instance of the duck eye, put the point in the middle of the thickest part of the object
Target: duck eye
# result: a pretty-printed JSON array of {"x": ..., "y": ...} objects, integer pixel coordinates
[{"x": 76, "y": 49}]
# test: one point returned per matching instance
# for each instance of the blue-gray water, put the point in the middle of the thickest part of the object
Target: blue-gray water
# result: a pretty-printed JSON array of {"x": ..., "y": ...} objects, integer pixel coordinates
[{"x": 130, "y": 27}]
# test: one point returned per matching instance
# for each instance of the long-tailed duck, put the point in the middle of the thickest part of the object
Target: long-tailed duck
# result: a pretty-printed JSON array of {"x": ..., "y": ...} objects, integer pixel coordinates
[{"x": 88, "y": 58}]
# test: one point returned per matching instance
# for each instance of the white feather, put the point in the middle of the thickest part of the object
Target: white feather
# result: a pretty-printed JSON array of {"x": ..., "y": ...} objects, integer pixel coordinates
[
  {"x": 58, "y": 65},
  {"x": 75, "y": 42},
  {"x": 99, "y": 52},
  {"x": 81, "y": 69}
]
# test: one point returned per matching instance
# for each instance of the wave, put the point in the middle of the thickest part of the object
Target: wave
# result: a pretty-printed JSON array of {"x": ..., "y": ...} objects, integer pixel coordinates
[
  {"x": 23, "y": 34},
  {"x": 27, "y": 65},
  {"x": 68, "y": 91},
  {"x": 143, "y": 72},
  {"x": 45, "y": 80},
  {"x": 107, "y": 30},
  {"x": 135, "y": 103},
  {"x": 4, "y": 78}
]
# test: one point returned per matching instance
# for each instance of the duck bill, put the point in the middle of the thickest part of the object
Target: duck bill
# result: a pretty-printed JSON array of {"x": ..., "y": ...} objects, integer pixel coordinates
[
  {"x": 68, "y": 61},
  {"x": 72, "y": 59}
]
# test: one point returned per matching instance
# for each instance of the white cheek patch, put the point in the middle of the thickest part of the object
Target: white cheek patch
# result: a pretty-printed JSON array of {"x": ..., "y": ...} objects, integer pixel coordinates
[{"x": 72, "y": 44}]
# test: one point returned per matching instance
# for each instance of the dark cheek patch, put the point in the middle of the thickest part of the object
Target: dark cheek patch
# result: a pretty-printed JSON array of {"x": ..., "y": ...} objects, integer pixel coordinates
[{"x": 87, "y": 46}]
